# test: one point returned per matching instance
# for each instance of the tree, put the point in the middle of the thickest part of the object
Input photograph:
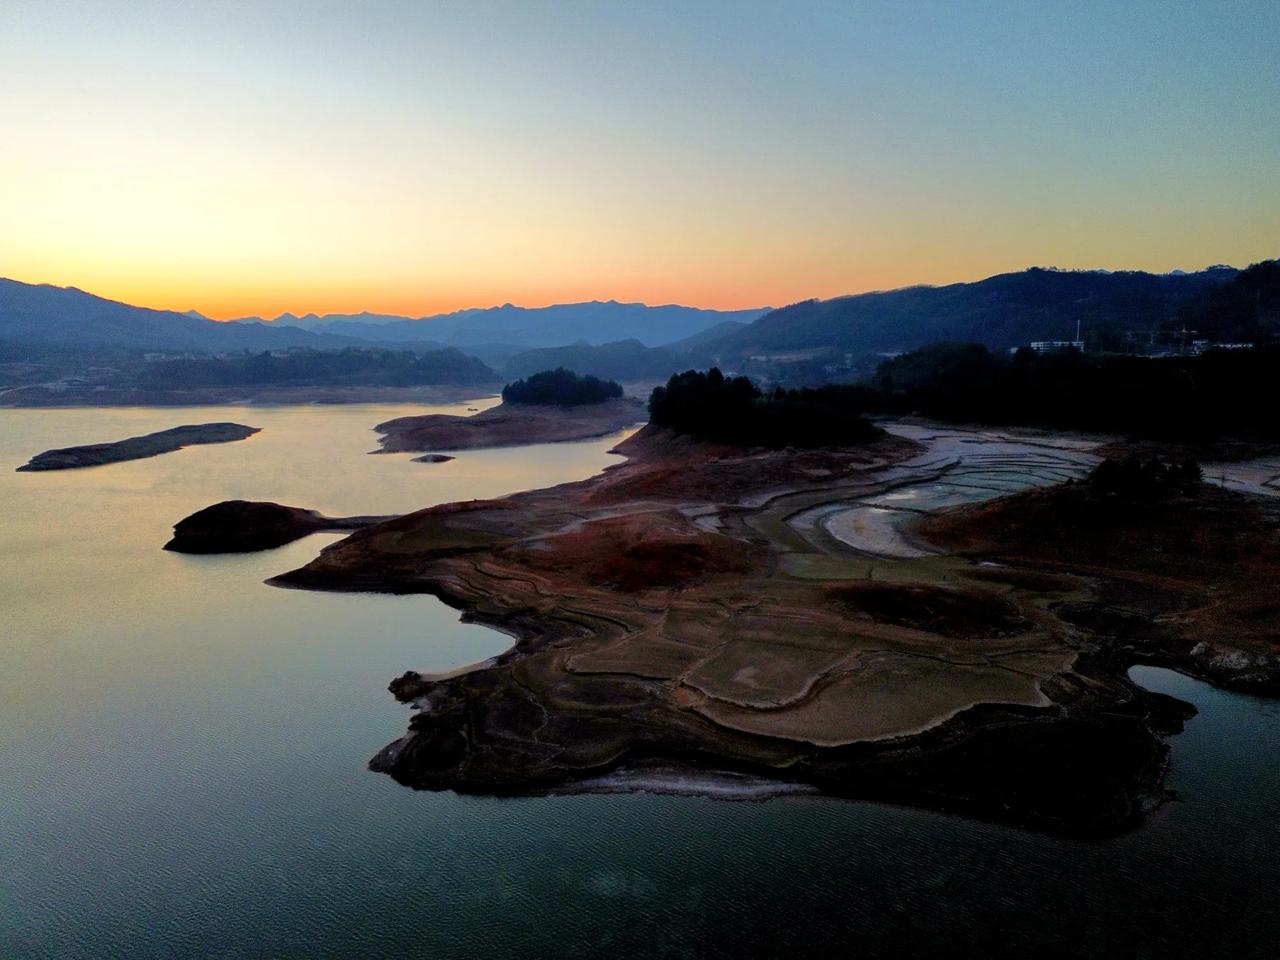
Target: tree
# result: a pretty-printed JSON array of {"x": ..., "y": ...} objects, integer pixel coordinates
[{"x": 560, "y": 387}]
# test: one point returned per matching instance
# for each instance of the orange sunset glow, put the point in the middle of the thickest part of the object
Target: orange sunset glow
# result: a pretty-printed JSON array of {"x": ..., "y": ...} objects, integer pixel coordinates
[{"x": 352, "y": 164}]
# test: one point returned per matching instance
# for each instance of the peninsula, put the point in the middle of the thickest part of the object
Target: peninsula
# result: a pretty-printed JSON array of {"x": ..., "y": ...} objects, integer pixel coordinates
[
  {"x": 138, "y": 448},
  {"x": 818, "y": 618},
  {"x": 944, "y": 616}
]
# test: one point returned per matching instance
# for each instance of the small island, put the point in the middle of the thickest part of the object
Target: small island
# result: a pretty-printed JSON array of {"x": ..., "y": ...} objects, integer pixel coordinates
[
  {"x": 561, "y": 388},
  {"x": 555, "y": 406},
  {"x": 245, "y": 526},
  {"x": 138, "y": 448}
]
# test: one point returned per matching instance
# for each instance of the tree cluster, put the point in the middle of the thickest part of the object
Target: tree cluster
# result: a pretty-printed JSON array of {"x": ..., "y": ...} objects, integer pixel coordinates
[
  {"x": 561, "y": 388},
  {"x": 733, "y": 410},
  {"x": 1220, "y": 393}
]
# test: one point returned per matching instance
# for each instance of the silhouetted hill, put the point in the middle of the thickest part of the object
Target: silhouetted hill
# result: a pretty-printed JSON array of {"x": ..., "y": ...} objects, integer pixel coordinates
[
  {"x": 40, "y": 313},
  {"x": 709, "y": 336},
  {"x": 1001, "y": 311},
  {"x": 1245, "y": 310}
]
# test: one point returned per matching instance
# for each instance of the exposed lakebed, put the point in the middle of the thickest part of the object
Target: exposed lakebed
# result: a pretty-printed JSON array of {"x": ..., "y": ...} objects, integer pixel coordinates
[{"x": 686, "y": 611}]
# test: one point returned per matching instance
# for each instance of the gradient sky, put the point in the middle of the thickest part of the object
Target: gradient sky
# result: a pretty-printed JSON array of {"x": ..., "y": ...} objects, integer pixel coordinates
[{"x": 414, "y": 158}]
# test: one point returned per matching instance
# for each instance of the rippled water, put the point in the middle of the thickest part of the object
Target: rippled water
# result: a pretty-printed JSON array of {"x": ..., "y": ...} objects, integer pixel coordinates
[{"x": 182, "y": 759}]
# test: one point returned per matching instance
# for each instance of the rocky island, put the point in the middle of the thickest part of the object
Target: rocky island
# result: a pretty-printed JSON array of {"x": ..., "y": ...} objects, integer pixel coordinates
[
  {"x": 508, "y": 425},
  {"x": 244, "y": 526},
  {"x": 553, "y": 406},
  {"x": 138, "y": 448}
]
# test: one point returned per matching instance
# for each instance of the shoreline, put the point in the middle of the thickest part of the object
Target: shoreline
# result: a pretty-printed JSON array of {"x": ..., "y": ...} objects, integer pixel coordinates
[
  {"x": 508, "y": 425},
  {"x": 138, "y": 447},
  {"x": 32, "y": 398},
  {"x": 527, "y": 565}
]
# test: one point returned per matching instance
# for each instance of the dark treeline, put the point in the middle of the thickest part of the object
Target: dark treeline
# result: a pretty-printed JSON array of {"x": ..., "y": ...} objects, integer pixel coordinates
[
  {"x": 733, "y": 410},
  {"x": 316, "y": 367},
  {"x": 1220, "y": 393},
  {"x": 561, "y": 388},
  {"x": 19, "y": 351},
  {"x": 24, "y": 362}
]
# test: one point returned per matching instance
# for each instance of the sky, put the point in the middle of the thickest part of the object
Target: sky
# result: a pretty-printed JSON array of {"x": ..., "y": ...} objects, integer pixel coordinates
[{"x": 414, "y": 158}]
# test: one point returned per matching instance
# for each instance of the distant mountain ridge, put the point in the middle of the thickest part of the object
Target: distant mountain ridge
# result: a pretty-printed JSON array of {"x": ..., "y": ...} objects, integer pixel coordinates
[
  {"x": 594, "y": 322},
  {"x": 1005, "y": 310},
  {"x": 42, "y": 313}
]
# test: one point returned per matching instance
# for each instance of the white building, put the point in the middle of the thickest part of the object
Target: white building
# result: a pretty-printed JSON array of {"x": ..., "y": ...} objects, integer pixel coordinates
[{"x": 1050, "y": 346}]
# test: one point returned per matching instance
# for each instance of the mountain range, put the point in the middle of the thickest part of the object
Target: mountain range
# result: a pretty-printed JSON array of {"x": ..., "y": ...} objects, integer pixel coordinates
[
  {"x": 67, "y": 316},
  {"x": 1114, "y": 310},
  {"x": 593, "y": 322}
]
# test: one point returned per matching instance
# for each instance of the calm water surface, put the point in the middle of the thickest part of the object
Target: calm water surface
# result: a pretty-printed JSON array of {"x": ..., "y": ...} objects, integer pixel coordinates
[{"x": 182, "y": 756}]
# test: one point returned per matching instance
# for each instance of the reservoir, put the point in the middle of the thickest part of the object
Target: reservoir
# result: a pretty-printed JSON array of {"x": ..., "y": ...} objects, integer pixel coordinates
[{"x": 183, "y": 749}]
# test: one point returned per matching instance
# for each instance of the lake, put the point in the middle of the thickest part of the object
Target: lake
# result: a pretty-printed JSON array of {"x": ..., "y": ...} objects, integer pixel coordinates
[{"x": 183, "y": 748}]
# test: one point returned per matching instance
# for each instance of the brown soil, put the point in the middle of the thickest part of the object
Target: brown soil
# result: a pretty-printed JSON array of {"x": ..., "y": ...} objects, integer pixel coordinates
[
  {"x": 667, "y": 611},
  {"x": 1188, "y": 579},
  {"x": 646, "y": 551}
]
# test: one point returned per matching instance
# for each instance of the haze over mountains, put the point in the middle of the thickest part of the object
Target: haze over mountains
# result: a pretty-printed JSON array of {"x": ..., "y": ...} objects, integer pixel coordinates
[
  {"x": 838, "y": 338},
  {"x": 593, "y": 322},
  {"x": 42, "y": 313}
]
